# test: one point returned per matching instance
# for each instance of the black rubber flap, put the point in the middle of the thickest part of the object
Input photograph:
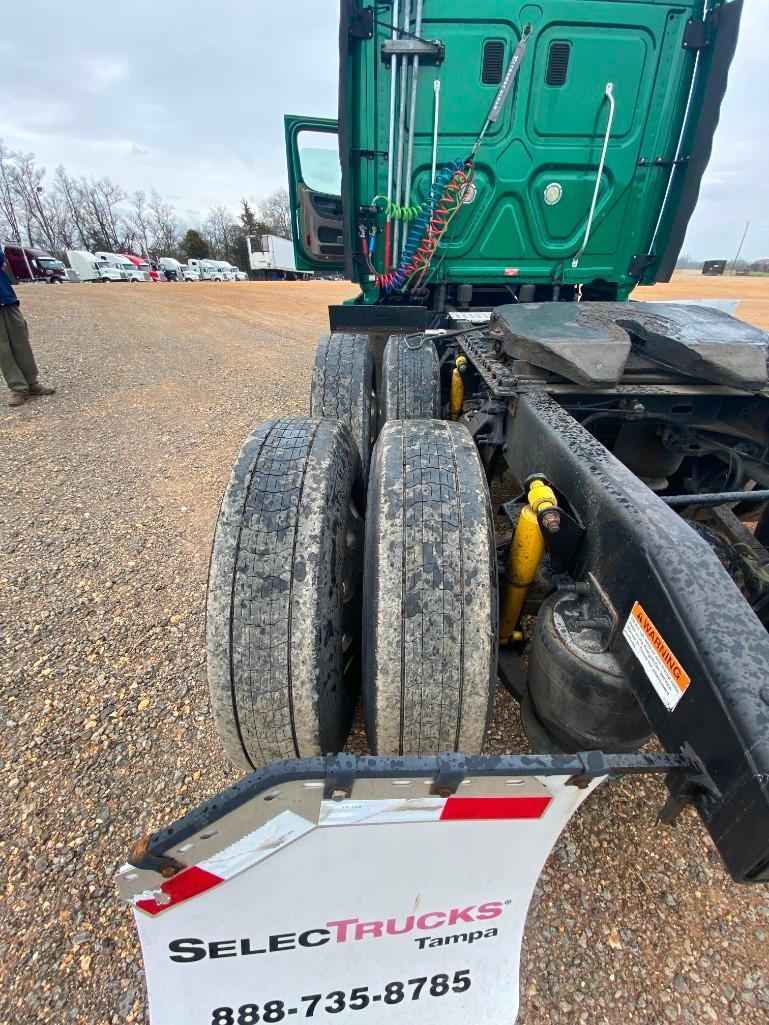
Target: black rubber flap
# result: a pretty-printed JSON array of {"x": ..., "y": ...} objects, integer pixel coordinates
[
  {"x": 698, "y": 341},
  {"x": 589, "y": 343},
  {"x": 559, "y": 337}
]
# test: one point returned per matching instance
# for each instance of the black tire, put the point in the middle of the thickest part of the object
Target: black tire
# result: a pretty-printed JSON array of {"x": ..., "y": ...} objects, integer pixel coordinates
[
  {"x": 284, "y": 594},
  {"x": 343, "y": 387},
  {"x": 411, "y": 380},
  {"x": 430, "y": 630}
]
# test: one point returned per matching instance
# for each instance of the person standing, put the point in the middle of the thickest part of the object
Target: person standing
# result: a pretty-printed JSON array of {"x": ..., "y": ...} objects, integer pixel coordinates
[{"x": 16, "y": 359}]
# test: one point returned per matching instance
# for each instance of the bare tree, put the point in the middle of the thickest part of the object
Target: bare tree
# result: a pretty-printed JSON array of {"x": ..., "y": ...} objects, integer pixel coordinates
[
  {"x": 275, "y": 211},
  {"x": 92, "y": 214},
  {"x": 141, "y": 222},
  {"x": 69, "y": 193},
  {"x": 222, "y": 232},
  {"x": 38, "y": 215},
  {"x": 61, "y": 228},
  {"x": 9, "y": 203},
  {"x": 102, "y": 200},
  {"x": 163, "y": 225}
]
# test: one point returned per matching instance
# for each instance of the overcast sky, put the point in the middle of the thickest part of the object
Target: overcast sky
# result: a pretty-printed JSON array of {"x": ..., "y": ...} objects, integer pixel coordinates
[{"x": 187, "y": 97}]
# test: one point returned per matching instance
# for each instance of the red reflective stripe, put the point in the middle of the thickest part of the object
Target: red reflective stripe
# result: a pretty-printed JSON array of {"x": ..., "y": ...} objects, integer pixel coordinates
[
  {"x": 494, "y": 807},
  {"x": 188, "y": 883}
]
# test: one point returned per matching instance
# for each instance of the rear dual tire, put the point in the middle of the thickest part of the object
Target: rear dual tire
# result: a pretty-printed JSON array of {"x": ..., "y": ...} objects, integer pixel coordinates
[
  {"x": 411, "y": 379},
  {"x": 283, "y": 612},
  {"x": 430, "y": 592},
  {"x": 344, "y": 388}
]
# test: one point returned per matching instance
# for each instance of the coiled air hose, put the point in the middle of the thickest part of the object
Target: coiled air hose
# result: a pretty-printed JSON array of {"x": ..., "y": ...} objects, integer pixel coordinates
[{"x": 428, "y": 223}]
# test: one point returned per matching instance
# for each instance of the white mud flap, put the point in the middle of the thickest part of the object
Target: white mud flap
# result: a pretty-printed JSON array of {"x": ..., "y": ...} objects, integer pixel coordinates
[{"x": 388, "y": 906}]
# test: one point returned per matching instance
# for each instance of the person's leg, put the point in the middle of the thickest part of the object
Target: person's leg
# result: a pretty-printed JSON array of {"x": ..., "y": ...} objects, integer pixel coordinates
[
  {"x": 14, "y": 374},
  {"x": 18, "y": 335}
]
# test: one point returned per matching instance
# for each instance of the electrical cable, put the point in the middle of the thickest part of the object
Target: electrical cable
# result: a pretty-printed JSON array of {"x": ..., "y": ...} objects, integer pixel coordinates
[
  {"x": 426, "y": 229},
  {"x": 400, "y": 213}
]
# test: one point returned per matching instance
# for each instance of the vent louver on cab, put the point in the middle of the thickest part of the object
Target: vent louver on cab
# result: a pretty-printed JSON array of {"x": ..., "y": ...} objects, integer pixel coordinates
[
  {"x": 558, "y": 63},
  {"x": 493, "y": 62}
]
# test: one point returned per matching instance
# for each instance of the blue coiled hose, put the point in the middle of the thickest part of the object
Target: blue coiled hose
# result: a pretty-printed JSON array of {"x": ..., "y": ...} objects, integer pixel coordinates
[{"x": 418, "y": 228}]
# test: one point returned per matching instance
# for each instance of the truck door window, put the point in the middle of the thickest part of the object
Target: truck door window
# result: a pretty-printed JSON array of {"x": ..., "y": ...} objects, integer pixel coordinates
[{"x": 319, "y": 162}]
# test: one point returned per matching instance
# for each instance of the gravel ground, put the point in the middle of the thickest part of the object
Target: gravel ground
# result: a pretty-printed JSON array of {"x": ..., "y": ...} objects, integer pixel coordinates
[{"x": 109, "y": 493}]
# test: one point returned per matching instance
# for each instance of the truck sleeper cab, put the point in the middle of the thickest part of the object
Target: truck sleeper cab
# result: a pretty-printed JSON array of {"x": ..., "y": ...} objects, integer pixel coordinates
[
  {"x": 88, "y": 268},
  {"x": 32, "y": 264},
  {"x": 227, "y": 271},
  {"x": 141, "y": 267},
  {"x": 128, "y": 270},
  {"x": 209, "y": 270}
]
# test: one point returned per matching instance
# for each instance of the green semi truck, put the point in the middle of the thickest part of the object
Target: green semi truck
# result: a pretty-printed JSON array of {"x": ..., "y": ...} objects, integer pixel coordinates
[{"x": 500, "y": 178}]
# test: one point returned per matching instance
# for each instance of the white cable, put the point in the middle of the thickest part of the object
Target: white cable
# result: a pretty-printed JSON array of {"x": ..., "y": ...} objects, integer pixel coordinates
[
  {"x": 609, "y": 93},
  {"x": 393, "y": 78},
  {"x": 412, "y": 116},
  {"x": 403, "y": 71},
  {"x": 436, "y": 114}
]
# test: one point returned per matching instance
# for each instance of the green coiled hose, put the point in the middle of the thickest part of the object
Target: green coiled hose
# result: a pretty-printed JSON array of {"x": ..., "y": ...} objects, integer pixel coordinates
[{"x": 397, "y": 213}]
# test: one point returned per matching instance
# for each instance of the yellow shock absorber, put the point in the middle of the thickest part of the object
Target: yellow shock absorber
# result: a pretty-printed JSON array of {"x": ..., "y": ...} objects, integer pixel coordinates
[
  {"x": 457, "y": 398},
  {"x": 526, "y": 550}
]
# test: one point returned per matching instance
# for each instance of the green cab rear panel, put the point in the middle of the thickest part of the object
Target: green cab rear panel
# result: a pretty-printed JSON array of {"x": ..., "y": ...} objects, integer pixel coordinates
[{"x": 536, "y": 170}]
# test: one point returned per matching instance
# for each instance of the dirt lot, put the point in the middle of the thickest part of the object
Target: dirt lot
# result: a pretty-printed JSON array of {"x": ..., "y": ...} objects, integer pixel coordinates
[
  {"x": 753, "y": 293},
  {"x": 108, "y": 497}
]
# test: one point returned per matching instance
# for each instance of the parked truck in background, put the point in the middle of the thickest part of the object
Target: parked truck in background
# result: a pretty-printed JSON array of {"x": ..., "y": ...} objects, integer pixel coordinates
[
  {"x": 128, "y": 269},
  {"x": 228, "y": 272},
  {"x": 88, "y": 268},
  {"x": 170, "y": 268},
  {"x": 272, "y": 258},
  {"x": 237, "y": 273},
  {"x": 208, "y": 269},
  {"x": 30, "y": 264},
  {"x": 142, "y": 266}
]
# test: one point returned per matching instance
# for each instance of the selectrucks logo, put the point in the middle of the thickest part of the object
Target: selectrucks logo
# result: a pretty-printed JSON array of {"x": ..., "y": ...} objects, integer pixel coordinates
[{"x": 191, "y": 949}]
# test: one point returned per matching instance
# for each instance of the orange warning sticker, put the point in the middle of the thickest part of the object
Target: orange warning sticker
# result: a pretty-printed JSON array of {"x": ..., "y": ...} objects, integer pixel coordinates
[{"x": 665, "y": 672}]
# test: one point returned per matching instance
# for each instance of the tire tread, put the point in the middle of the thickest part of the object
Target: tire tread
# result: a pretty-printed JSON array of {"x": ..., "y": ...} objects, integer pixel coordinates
[{"x": 430, "y": 592}]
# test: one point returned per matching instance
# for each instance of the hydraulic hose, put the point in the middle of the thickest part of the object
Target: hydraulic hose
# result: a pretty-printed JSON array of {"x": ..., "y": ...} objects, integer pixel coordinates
[{"x": 427, "y": 228}]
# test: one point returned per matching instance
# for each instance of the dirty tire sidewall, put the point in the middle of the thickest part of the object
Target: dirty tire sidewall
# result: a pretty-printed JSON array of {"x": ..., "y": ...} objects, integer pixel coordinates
[
  {"x": 343, "y": 388},
  {"x": 411, "y": 380},
  {"x": 276, "y": 609},
  {"x": 430, "y": 630}
]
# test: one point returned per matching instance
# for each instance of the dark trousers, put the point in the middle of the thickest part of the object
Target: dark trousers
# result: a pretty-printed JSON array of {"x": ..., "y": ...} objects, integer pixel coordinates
[{"x": 16, "y": 360}]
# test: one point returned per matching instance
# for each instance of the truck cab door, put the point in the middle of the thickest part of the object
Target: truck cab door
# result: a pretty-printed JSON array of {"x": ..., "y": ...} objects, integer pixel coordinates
[{"x": 315, "y": 186}]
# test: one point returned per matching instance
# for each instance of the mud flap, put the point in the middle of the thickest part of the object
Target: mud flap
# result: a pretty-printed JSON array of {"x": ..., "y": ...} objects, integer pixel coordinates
[{"x": 295, "y": 900}]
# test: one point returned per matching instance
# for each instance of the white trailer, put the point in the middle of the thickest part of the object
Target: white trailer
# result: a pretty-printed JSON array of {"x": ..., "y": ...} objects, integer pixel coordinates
[
  {"x": 88, "y": 268},
  {"x": 272, "y": 258}
]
